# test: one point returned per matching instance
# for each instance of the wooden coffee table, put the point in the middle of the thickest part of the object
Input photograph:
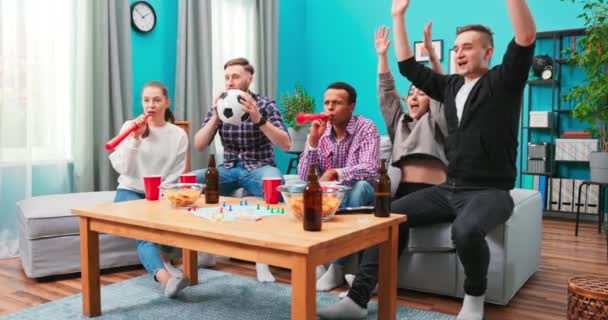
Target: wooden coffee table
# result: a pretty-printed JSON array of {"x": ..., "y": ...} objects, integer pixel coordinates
[{"x": 275, "y": 240}]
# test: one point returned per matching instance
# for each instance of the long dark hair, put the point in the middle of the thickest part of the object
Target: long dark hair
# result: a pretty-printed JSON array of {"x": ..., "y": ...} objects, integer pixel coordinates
[{"x": 168, "y": 113}]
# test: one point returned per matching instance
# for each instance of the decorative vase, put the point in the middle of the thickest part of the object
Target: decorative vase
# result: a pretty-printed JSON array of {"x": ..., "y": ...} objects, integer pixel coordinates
[{"x": 298, "y": 138}]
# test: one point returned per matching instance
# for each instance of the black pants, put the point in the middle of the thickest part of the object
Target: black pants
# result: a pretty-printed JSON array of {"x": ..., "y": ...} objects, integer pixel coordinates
[{"x": 473, "y": 211}]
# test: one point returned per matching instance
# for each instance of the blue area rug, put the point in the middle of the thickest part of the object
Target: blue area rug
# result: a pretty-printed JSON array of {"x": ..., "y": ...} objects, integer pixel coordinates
[{"x": 218, "y": 296}]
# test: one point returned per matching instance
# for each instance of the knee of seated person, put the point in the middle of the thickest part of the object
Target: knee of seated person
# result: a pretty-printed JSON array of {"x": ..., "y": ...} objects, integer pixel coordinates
[{"x": 465, "y": 236}]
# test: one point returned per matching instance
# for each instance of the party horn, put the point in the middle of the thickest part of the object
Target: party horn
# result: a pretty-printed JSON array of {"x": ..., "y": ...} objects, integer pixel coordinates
[
  {"x": 114, "y": 142},
  {"x": 302, "y": 118}
]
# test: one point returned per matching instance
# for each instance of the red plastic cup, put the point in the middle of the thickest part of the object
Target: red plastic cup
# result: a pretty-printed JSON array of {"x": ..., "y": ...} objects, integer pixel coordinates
[
  {"x": 151, "y": 185},
  {"x": 271, "y": 194},
  {"x": 187, "y": 178}
]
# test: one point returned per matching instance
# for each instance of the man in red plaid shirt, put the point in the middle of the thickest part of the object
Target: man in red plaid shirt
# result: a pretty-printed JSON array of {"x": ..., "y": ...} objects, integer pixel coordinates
[{"x": 345, "y": 148}]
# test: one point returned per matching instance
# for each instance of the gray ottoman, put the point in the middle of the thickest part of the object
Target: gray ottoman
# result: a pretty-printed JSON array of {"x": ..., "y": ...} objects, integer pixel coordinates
[{"x": 49, "y": 235}]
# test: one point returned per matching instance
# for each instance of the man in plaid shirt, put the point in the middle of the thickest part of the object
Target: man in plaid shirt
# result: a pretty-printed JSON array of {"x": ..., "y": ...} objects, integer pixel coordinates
[
  {"x": 248, "y": 147},
  {"x": 346, "y": 150}
]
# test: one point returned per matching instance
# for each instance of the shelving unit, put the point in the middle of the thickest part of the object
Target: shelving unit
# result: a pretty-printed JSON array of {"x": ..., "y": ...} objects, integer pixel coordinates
[{"x": 556, "y": 111}]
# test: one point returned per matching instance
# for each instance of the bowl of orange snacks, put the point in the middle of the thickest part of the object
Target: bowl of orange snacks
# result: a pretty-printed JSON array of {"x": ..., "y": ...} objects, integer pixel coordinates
[
  {"x": 332, "y": 197},
  {"x": 182, "y": 194}
]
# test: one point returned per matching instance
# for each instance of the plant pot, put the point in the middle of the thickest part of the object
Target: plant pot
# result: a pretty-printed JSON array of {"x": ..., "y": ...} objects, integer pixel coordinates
[
  {"x": 298, "y": 138},
  {"x": 598, "y": 163}
]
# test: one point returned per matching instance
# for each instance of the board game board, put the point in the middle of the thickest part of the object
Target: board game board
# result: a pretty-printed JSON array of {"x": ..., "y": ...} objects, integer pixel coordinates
[{"x": 242, "y": 211}]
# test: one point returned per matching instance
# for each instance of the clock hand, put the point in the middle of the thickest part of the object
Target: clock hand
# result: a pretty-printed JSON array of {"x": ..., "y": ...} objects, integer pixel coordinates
[{"x": 141, "y": 15}]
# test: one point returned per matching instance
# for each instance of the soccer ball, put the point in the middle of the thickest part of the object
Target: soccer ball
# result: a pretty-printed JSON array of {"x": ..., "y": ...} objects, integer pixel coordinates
[{"x": 230, "y": 107}]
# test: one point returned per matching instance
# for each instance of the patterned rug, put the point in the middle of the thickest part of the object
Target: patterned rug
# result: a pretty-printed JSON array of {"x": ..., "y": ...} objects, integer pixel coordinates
[{"x": 218, "y": 296}]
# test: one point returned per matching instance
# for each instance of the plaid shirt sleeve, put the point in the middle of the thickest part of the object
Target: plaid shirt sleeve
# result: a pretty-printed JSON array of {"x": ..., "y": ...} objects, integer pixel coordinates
[
  {"x": 207, "y": 117},
  {"x": 274, "y": 116},
  {"x": 307, "y": 158},
  {"x": 363, "y": 163}
]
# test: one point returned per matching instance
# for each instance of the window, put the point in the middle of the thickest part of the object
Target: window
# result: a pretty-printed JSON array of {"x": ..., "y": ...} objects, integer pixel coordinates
[{"x": 37, "y": 46}]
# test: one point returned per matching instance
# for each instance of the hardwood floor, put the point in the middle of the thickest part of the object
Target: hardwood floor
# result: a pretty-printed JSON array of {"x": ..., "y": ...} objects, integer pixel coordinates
[{"x": 543, "y": 297}]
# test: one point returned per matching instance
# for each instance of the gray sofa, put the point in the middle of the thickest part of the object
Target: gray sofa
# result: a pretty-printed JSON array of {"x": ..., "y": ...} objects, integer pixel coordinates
[
  {"x": 49, "y": 235},
  {"x": 430, "y": 263}
]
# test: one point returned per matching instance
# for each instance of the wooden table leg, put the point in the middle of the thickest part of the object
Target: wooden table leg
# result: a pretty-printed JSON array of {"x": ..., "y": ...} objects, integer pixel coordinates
[
  {"x": 89, "y": 263},
  {"x": 190, "y": 260},
  {"x": 303, "y": 290},
  {"x": 387, "y": 276}
]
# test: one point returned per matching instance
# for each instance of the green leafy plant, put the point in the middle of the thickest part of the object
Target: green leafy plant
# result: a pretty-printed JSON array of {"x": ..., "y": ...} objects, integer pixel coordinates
[
  {"x": 291, "y": 105},
  {"x": 591, "y": 97}
]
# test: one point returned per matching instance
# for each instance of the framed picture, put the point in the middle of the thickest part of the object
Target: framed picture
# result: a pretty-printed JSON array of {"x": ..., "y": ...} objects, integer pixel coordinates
[
  {"x": 422, "y": 55},
  {"x": 452, "y": 62}
]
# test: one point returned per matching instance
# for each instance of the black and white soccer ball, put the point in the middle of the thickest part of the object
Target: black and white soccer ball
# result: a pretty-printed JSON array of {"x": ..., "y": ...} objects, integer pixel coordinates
[{"x": 230, "y": 107}]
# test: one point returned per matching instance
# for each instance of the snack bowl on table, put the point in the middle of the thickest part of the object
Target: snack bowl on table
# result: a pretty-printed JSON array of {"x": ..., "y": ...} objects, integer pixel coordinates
[
  {"x": 293, "y": 195},
  {"x": 182, "y": 194}
]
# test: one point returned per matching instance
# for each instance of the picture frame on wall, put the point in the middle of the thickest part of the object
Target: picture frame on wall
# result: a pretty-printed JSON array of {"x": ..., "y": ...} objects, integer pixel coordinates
[
  {"x": 421, "y": 53},
  {"x": 452, "y": 61}
]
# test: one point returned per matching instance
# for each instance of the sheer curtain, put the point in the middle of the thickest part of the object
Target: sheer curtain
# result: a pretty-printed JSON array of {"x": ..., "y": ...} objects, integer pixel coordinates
[
  {"x": 37, "y": 47},
  {"x": 233, "y": 35}
]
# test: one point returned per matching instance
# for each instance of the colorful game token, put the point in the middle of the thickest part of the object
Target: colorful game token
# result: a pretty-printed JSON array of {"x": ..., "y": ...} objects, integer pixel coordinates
[
  {"x": 258, "y": 208},
  {"x": 246, "y": 203},
  {"x": 230, "y": 208},
  {"x": 271, "y": 210},
  {"x": 282, "y": 210},
  {"x": 241, "y": 203},
  {"x": 221, "y": 210},
  {"x": 223, "y": 205}
]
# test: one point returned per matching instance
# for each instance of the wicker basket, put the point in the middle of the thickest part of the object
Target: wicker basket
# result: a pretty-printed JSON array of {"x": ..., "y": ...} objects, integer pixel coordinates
[{"x": 588, "y": 298}]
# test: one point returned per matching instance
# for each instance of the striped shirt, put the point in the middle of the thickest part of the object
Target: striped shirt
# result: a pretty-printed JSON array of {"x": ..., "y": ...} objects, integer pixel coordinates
[
  {"x": 246, "y": 143},
  {"x": 355, "y": 157}
]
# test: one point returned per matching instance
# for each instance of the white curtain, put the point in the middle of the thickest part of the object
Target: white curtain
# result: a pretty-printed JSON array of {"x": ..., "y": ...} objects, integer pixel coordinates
[
  {"x": 37, "y": 48},
  {"x": 233, "y": 27}
]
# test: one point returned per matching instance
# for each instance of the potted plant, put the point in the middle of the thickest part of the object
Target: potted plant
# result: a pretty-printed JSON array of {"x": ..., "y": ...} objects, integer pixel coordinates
[
  {"x": 591, "y": 97},
  {"x": 291, "y": 105}
]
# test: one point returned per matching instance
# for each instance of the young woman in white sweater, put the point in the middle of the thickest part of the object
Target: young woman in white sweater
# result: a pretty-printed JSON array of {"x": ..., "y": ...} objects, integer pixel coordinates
[{"x": 158, "y": 147}]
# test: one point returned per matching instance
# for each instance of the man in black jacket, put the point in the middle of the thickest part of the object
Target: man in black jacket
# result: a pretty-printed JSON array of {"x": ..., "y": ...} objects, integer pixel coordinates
[{"x": 482, "y": 108}]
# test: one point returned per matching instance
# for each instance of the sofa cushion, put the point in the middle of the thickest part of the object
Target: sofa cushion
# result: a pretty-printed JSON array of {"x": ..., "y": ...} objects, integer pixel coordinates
[
  {"x": 439, "y": 237},
  {"x": 51, "y": 216}
]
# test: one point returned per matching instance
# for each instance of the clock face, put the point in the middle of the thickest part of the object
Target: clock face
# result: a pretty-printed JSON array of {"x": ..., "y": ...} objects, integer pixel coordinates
[
  {"x": 546, "y": 74},
  {"x": 143, "y": 17}
]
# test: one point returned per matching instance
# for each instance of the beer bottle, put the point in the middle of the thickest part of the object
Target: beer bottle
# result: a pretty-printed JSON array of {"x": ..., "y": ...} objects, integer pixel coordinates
[
  {"x": 382, "y": 192},
  {"x": 313, "y": 197},
  {"x": 212, "y": 181}
]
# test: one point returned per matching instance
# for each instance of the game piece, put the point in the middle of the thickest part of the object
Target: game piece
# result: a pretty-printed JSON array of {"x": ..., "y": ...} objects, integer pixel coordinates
[
  {"x": 230, "y": 208},
  {"x": 224, "y": 205},
  {"x": 246, "y": 203},
  {"x": 258, "y": 208}
]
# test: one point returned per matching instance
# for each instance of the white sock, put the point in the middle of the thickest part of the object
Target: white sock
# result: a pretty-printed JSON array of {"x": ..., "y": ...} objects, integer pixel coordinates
[
  {"x": 173, "y": 271},
  {"x": 344, "y": 309},
  {"x": 206, "y": 260},
  {"x": 334, "y": 277},
  {"x": 320, "y": 271},
  {"x": 472, "y": 308},
  {"x": 263, "y": 272}
]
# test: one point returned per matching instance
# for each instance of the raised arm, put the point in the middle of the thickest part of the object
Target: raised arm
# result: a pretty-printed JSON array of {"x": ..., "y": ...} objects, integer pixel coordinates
[
  {"x": 428, "y": 45},
  {"x": 522, "y": 21},
  {"x": 402, "y": 43},
  {"x": 382, "y": 43}
]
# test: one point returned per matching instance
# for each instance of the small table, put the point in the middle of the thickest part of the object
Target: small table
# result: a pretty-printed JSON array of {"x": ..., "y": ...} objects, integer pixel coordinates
[
  {"x": 588, "y": 298},
  {"x": 275, "y": 240}
]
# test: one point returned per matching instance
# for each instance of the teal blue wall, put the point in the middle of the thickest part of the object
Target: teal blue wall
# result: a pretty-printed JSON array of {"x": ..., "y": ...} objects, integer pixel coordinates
[
  {"x": 154, "y": 53},
  {"x": 329, "y": 41}
]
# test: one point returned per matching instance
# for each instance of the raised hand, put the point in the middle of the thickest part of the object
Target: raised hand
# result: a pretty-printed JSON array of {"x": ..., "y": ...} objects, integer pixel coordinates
[
  {"x": 142, "y": 127},
  {"x": 382, "y": 42},
  {"x": 317, "y": 128},
  {"x": 428, "y": 39},
  {"x": 399, "y": 7}
]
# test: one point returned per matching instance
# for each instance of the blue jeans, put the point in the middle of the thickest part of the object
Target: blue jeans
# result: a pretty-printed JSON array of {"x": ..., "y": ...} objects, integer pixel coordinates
[
  {"x": 361, "y": 194},
  {"x": 147, "y": 251},
  {"x": 237, "y": 177}
]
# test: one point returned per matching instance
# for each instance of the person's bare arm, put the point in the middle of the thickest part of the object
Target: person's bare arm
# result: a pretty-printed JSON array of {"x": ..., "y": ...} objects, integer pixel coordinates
[
  {"x": 382, "y": 43},
  {"x": 522, "y": 21},
  {"x": 428, "y": 45},
  {"x": 402, "y": 45}
]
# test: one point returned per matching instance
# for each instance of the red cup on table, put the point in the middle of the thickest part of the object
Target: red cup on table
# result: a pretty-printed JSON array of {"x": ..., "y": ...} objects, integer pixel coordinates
[
  {"x": 187, "y": 178},
  {"x": 151, "y": 186},
  {"x": 271, "y": 194}
]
